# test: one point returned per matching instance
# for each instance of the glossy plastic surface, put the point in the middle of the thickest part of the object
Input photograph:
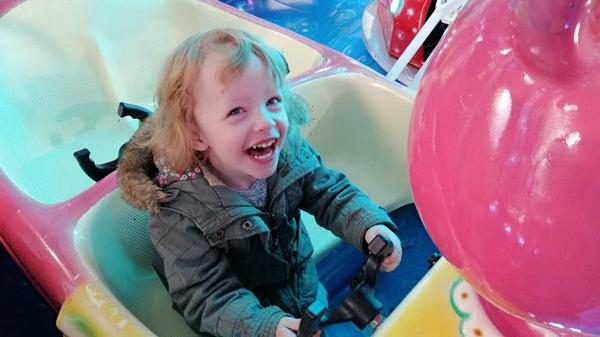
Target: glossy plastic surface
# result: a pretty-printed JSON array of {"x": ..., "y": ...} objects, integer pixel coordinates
[
  {"x": 504, "y": 156},
  {"x": 515, "y": 327},
  {"x": 61, "y": 90}
]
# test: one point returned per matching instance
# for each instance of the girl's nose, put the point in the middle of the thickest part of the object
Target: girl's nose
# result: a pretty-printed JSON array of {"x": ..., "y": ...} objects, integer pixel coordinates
[{"x": 264, "y": 119}]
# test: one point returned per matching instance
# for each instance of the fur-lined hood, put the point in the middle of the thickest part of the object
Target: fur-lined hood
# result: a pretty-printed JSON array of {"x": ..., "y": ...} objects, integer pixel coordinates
[{"x": 135, "y": 171}]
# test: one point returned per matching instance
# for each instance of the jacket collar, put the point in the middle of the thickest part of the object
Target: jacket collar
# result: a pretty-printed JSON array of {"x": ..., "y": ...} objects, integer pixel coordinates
[
  {"x": 220, "y": 201},
  {"x": 292, "y": 166}
]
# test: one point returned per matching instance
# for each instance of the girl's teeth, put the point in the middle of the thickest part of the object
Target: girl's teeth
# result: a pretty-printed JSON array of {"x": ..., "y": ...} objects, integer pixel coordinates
[
  {"x": 262, "y": 157},
  {"x": 264, "y": 145}
]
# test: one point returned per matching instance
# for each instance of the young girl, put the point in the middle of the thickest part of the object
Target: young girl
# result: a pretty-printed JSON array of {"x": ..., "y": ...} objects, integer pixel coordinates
[{"x": 224, "y": 170}]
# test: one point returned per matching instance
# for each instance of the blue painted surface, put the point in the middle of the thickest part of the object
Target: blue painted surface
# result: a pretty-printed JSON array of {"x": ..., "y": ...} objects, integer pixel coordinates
[{"x": 336, "y": 24}]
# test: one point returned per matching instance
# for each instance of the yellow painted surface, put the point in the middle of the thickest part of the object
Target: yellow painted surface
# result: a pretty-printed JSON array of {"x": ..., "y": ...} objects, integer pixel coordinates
[
  {"x": 427, "y": 310},
  {"x": 91, "y": 311}
]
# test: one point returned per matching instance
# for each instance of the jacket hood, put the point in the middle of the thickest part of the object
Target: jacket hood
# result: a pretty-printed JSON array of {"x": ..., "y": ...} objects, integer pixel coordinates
[{"x": 136, "y": 171}]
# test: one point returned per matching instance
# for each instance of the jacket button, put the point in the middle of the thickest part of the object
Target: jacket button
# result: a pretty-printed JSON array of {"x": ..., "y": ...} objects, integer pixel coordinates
[
  {"x": 247, "y": 226},
  {"x": 219, "y": 233}
]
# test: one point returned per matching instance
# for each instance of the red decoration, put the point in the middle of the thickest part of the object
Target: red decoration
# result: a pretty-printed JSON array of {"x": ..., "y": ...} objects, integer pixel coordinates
[{"x": 401, "y": 25}]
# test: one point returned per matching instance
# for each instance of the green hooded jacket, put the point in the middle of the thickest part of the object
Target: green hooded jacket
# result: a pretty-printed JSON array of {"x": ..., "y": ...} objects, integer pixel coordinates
[{"x": 233, "y": 269}]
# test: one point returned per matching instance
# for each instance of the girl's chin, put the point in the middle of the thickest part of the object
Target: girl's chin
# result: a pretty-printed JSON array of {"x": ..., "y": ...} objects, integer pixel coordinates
[{"x": 265, "y": 170}]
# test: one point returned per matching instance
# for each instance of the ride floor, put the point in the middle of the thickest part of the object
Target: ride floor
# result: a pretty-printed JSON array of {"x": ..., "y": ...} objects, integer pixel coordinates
[{"x": 336, "y": 24}]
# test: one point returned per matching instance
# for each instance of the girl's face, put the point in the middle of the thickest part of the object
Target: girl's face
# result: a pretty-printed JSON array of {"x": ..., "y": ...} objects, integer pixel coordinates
[{"x": 240, "y": 126}]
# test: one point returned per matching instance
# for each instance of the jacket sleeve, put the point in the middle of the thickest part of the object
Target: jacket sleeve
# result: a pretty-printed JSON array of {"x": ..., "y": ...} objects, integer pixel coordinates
[
  {"x": 203, "y": 285},
  {"x": 341, "y": 206}
]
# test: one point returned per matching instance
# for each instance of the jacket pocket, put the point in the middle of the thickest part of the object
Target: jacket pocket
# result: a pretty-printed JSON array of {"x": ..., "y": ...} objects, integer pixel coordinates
[
  {"x": 244, "y": 244},
  {"x": 238, "y": 229}
]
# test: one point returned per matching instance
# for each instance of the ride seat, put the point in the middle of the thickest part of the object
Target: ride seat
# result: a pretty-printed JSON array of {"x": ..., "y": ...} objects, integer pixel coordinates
[{"x": 113, "y": 242}]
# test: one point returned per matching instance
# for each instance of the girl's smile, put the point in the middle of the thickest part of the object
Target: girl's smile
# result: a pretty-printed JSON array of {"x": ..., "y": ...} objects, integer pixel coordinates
[{"x": 263, "y": 151}]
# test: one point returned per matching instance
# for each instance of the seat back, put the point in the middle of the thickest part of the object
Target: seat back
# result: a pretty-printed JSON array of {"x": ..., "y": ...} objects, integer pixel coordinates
[
  {"x": 113, "y": 242},
  {"x": 360, "y": 127}
]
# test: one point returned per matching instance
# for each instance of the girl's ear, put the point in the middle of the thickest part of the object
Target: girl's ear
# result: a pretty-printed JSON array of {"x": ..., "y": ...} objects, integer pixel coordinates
[{"x": 198, "y": 141}]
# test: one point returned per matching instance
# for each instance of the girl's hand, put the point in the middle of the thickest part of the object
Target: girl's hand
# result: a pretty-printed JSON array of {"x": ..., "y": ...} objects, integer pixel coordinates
[
  {"x": 288, "y": 327},
  {"x": 393, "y": 260}
]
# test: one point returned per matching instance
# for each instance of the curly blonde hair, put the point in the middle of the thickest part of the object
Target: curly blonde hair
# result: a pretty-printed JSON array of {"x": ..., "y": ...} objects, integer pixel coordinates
[{"x": 175, "y": 94}]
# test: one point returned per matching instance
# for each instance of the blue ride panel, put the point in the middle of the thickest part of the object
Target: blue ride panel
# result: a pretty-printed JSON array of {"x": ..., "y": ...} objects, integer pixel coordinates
[{"x": 335, "y": 24}]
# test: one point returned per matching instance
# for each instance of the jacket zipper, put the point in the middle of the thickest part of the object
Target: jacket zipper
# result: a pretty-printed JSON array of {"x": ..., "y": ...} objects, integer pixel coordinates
[{"x": 274, "y": 230}]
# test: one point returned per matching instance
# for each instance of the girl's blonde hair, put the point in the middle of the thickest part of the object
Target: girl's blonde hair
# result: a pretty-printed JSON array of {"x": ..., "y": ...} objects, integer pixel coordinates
[{"x": 175, "y": 93}]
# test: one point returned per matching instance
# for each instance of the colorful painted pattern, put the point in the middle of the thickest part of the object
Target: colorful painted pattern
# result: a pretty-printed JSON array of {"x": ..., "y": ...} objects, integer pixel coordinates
[
  {"x": 91, "y": 311},
  {"x": 474, "y": 321}
]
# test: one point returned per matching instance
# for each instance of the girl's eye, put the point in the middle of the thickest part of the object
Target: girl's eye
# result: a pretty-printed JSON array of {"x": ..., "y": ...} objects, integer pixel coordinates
[
  {"x": 274, "y": 100},
  {"x": 234, "y": 112}
]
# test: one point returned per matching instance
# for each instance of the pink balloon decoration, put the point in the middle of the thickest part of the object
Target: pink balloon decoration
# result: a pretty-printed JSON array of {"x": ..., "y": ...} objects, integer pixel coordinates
[
  {"x": 511, "y": 326},
  {"x": 505, "y": 156}
]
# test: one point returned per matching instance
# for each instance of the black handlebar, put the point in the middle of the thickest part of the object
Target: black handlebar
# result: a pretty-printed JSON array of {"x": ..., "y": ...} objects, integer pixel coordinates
[
  {"x": 361, "y": 307},
  {"x": 99, "y": 171}
]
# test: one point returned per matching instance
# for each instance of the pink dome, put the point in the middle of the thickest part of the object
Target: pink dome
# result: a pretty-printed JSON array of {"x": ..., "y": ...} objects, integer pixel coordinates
[{"x": 505, "y": 156}]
